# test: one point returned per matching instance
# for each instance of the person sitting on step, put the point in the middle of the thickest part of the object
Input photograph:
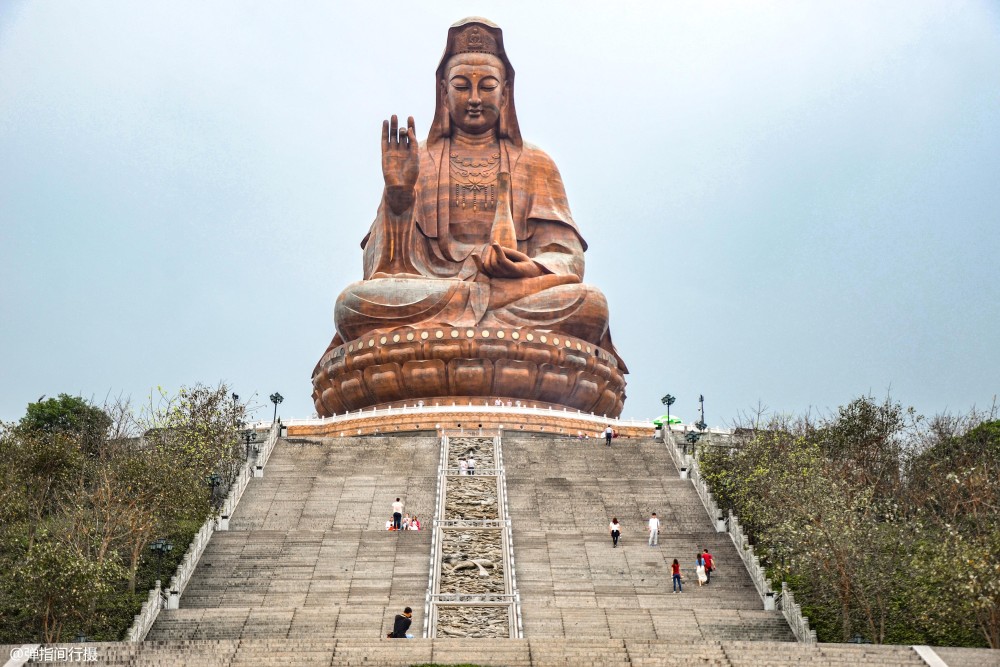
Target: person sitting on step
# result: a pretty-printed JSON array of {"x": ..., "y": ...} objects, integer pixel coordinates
[{"x": 401, "y": 624}]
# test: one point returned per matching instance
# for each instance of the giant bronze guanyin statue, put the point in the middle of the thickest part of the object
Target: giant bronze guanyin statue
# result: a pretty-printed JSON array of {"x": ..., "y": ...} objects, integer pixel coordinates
[{"x": 473, "y": 267}]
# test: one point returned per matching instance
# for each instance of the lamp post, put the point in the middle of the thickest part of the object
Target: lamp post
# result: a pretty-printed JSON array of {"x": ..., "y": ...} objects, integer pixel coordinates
[
  {"x": 668, "y": 400},
  {"x": 692, "y": 439},
  {"x": 249, "y": 436},
  {"x": 213, "y": 482},
  {"x": 701, "y": 409},
  {"x": 160, "y": 546},
  {"x": 276, "y": 398}
]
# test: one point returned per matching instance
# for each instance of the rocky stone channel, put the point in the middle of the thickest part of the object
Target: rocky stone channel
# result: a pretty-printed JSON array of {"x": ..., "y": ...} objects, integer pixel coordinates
[
  {"x": 472, "y": 561},
  {"x": 471, "y": 557},
  {"x": 473, "y": 621},
  {"x": 471, "y": 498},
  {"x": 462, "y": 446}
]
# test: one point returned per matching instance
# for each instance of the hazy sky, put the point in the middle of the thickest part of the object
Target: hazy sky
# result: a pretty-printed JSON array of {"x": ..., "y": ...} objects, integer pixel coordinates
[{"x": 792, "y": 203}]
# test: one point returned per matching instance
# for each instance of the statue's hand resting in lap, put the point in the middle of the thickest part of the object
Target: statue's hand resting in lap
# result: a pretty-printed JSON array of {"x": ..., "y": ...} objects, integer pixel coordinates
[
  {"x": 400, "y": 163},
  {"x": 498, "y": 262}
]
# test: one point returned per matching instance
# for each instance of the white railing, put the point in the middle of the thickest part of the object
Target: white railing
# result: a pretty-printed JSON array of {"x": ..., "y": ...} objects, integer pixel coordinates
[
  {"x": 510, "y": 570},
  {"x": 185, "y": 569},
  {"x": 701, "y": 486},
  {"x": 792, "y": 612},
  {"x": 600, "y": 421},
  {"x": 144, "y": 619},
  {"x": 436, "y": 534}
]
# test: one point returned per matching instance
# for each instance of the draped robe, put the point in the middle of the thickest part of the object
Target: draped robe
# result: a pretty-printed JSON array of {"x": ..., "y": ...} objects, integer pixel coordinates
[{"x": 418, "y": 270}]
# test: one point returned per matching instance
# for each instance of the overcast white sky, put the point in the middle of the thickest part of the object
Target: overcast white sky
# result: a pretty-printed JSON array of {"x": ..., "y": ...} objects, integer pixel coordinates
[{"x": 788, "y": 203}]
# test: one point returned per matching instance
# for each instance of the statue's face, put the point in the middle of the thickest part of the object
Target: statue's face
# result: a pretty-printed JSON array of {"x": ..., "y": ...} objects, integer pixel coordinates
[{"x": 475, "y": 91}]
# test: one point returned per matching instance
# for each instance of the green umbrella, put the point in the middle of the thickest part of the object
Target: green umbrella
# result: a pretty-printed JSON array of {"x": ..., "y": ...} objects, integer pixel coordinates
[{"x": 674, "y": 419}]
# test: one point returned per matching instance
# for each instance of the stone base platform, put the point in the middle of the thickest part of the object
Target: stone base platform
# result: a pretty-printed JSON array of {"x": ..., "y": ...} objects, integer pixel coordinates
[
  {"x": 414, "y": 363},
  {"x": 475, "y": 417}
]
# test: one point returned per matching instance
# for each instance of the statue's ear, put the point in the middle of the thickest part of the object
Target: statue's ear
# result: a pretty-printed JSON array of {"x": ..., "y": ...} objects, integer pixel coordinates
[{"x": 444, "y": 117}]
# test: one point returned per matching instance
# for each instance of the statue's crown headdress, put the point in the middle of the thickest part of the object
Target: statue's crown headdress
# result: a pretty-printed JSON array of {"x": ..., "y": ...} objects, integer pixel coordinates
[
  {"x": 475, "y": 35},
  {"x": 473, "y": 39}
]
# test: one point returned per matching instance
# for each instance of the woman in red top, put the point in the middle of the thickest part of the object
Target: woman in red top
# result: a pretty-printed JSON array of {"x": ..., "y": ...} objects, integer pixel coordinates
[{"x": 676, "y": 570}]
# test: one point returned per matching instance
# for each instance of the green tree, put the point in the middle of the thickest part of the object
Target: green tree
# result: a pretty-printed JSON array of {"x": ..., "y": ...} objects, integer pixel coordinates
[
  {"x": 954, "y": 486},
  {"x": 59, "y": 584},
  {"x": 70, "y": 415}
]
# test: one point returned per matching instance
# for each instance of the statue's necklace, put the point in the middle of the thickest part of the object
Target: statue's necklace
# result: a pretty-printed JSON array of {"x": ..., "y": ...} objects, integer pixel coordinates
[{"x": 475, "y": 180}]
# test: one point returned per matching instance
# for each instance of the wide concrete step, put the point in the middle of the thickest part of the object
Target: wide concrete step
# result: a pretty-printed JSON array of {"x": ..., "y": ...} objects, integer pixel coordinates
[
  {"x": 543, "y": 652},
  {"x": 371, "y": 620}
]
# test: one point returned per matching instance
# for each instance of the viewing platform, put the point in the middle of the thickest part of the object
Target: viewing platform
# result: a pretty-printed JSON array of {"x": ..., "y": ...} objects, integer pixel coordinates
[{"x": 479, "y": 416}]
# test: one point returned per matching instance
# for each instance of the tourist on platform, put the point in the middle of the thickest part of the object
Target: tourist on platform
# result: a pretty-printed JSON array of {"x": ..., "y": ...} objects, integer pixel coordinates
[
  {"x": 472, "y": 464},
  {"x": 608, "y": 434},
  {"x": 401, "y": 624},
  {"x": 414, "y": 523},
  {"x": 405, "y": 523},
  {"x": 699, "y": 569},
  {"x": 709, "y": 565},
  {"x": 463, "y": 467},
  {"x": 616, "y": 531},
  {"x": 654, "y": 530},
  {"x": 675, "y": 571},
  {"x": 397, "y": 513}
]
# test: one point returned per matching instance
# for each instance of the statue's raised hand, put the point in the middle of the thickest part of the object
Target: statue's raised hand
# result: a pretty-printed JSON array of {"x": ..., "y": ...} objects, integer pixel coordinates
[{"x": 400, "y": 163}]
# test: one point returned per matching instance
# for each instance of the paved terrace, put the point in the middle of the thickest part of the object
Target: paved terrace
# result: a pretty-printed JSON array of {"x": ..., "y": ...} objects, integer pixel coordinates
[{"x": 473, "y": 416}]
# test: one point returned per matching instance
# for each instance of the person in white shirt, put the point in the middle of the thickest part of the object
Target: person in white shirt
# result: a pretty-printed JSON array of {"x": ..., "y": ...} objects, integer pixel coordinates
[
  {"x": 608, "y": 434},
  {"x": 463, "y": 467},
  {"x": 654, "y": 530},
  {"x": 397, "y": 514},
  {"x": 616, "y": 531},
  {"x": 472, "y": 465}
]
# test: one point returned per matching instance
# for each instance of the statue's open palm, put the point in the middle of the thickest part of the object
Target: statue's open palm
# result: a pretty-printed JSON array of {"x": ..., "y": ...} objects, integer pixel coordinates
[{"x": 400, "y": 162}]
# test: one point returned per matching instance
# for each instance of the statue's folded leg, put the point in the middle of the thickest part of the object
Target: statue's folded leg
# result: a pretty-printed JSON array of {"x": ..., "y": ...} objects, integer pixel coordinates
[
  {"x": 385, "y": 303},
  {"x": 575, "y": 309}
]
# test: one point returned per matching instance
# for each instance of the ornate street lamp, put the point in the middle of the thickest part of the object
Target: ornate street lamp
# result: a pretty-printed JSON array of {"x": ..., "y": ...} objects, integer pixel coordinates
[
  {"x": 701, "y": 408},
  {"x": 692, "y": 439},
  {"x": 668, "y": 400},
  {"x": 213, "y": 482},
  {"x": 160, "y": 547},
  {"x": 276, "y": 398},
  {"x": 249, "y": 436}
]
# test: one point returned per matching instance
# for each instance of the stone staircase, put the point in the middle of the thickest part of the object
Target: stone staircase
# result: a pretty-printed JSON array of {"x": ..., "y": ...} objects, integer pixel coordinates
[
  {"x": 307, "y": 554},
  {"x": 563, "y": 493},
  {"x": 541, "y": 652},
  {"x": 308, "y": 575}
]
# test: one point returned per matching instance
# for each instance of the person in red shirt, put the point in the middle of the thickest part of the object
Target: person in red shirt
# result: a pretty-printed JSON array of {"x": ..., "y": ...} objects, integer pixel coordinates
[
  {"x": 709, "y": 565},
  {"x": 676, "y": 570}
]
